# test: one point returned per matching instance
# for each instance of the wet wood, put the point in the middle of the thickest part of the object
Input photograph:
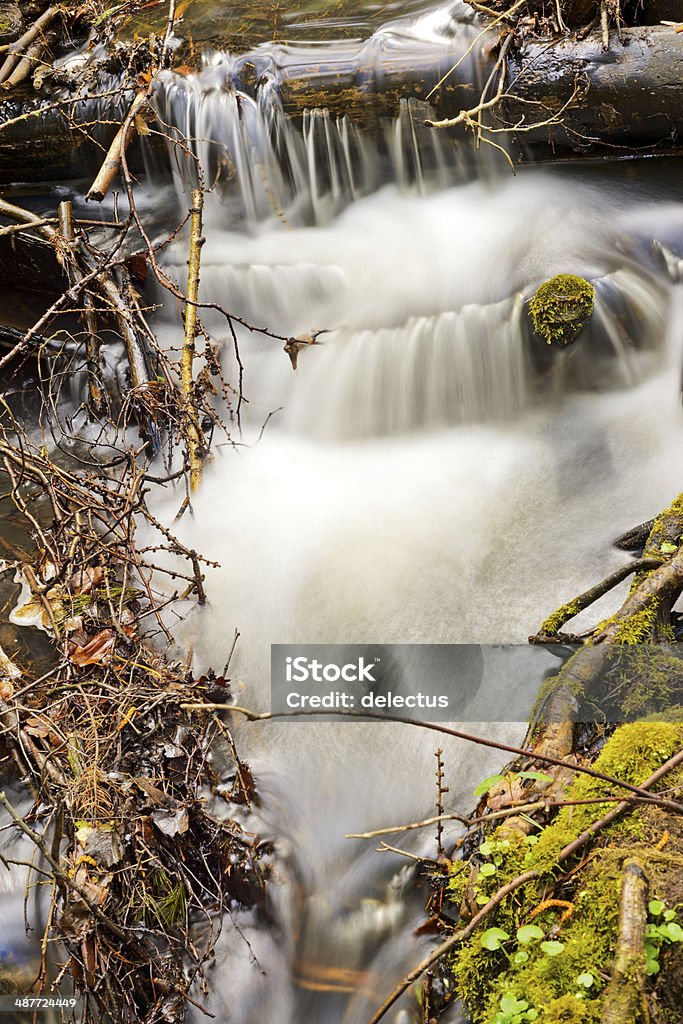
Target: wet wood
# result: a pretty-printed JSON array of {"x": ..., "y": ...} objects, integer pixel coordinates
[
  {"x": 631, "y": 95},
  {"x": 112, "y": 162}
]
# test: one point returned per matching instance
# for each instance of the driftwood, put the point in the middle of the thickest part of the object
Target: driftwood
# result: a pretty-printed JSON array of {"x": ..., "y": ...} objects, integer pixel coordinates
[
  {"x": 26, "y": 48},
  {"x": 112, "y": 162}
]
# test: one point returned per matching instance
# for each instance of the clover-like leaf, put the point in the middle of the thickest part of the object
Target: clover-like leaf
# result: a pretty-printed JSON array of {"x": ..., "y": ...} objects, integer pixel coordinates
[
  {"x": 671, "y": 931},
  {"x": 487, "y": 870},
  {"x": 586, "y": 980},
  {"x": 529, "y": 933},
  {"x": 510, "y": 1004},
  {"x": 493, "y": 938},
  {"x": 656, "y": 907},
  {"x": 552, "y": 947}
]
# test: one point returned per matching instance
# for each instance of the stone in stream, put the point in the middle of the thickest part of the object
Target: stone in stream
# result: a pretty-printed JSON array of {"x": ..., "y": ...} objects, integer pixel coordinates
[{"x": 561, "y": 307}]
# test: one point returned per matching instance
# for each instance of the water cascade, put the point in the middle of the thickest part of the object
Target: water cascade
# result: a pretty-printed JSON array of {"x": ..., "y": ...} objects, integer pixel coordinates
[{"x": 428, "y": 473}]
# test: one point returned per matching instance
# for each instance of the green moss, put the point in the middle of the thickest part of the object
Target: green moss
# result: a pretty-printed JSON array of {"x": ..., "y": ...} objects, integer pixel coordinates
[
  {"x": 554, "y": 623},
  {"x": 563, "y": 680},
  {"x": 561, "y": 307},
  {"x": 666, "y": 529},
  {"x": 651, "y": 681},
  {"x": 638, "y": 628},
  {"x": 549, "y": 983}
]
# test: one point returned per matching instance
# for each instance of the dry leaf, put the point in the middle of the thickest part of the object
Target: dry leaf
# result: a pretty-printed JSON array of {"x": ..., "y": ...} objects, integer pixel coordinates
[
  {"x": 97, "y": 650},
  {"x": 85, "y": 580},
  {"x": 172, "y": 823}
]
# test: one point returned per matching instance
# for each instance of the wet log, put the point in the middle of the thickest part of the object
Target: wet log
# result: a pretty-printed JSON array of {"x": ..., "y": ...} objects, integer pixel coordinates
[
  {"x": 27, "y": 264},
  {"x": 37, "y": 142},
  {"x": 631, "y": 94}
]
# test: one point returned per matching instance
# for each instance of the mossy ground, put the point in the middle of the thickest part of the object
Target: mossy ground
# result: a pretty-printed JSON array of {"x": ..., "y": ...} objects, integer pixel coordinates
[{"x": 590, "y": 885}]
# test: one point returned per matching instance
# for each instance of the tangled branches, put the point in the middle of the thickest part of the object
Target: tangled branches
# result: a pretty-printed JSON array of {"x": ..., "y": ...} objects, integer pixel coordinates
[
  {"x": 115, "y": 765},
  {"x": 140, "y": 867}
]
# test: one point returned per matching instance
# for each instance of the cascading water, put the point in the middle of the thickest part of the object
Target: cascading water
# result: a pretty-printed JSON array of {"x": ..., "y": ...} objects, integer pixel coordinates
[{"x": 427, "y": 474}]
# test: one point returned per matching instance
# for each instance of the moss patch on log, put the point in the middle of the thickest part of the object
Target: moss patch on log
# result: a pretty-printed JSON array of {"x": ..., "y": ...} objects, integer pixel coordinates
[
  {"x": 561, "y": 308},
  {"x": 561, "y": 975}
]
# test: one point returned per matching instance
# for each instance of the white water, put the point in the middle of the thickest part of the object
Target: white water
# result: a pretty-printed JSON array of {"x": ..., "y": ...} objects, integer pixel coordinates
[
  {"x": 426, "y": 475},
  {"x": 418, "y": 485}
]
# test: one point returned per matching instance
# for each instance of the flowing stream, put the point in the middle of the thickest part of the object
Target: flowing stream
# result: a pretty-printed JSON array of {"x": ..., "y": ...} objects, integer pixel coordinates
[{"x": 430, "y": 473}]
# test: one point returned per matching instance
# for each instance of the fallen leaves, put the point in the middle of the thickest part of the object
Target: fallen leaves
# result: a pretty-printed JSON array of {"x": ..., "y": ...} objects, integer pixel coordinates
[{"x": 96, "y": 650}]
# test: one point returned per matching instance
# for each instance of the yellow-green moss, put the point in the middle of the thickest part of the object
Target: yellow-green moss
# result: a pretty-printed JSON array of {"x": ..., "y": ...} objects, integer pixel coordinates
[
  {"x": 554, "y": 623},
  {"x": 638, "y": 628},
  {"x": 651, "y": 680},
  {"x": 561, "y": 307},
  {"x": 666, "y": 529}
]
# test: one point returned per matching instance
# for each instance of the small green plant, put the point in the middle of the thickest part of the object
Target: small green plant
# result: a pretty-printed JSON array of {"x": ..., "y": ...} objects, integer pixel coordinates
[
  {"x": 494, "y": 938},
  {"x": 496, "y": 849},
  {"x": 662, "y": 930},
  {"x": 514, "y": 1011}
]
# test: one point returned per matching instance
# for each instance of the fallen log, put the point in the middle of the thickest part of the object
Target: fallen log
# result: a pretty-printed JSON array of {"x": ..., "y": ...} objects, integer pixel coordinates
[
  {"x": 632, "y": 94},
  {"x": 629, "y": 96},
  {"x": 27, "y": 45}
]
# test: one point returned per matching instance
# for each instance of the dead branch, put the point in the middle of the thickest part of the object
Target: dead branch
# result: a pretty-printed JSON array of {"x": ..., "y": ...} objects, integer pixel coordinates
[
  {"x": 28, "y": 38},
  {"x": 92, "y": 344},
  {"x": 553, "y": 624},
  {"x": 112, "y": 162},
  {"x": 624, "y": 995},
  {"x": 533, "y": 755},
  {"x": 195, "y": 442}
]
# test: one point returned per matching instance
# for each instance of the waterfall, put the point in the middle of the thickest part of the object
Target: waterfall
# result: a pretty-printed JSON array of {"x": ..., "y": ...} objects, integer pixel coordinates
[
  {"x": 430, "y": 472},
  {"x": 230, "y": 120}
]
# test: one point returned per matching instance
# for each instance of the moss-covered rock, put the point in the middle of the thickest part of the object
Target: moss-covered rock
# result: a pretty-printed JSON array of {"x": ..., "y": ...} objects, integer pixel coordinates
[{"x": 561, "y": 308}]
